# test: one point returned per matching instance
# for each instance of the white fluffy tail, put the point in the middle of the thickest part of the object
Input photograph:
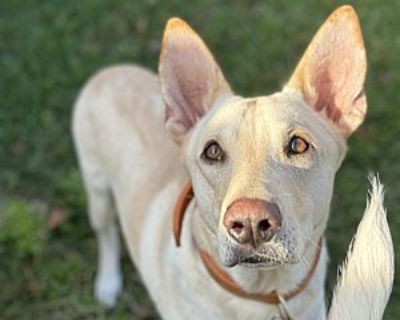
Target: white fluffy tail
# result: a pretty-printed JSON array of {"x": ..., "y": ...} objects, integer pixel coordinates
[{"x": 367, "y": 274}]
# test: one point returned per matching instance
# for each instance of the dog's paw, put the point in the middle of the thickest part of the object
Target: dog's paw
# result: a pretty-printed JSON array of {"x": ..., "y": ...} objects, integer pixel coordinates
[{"x": 107, "y": 290}]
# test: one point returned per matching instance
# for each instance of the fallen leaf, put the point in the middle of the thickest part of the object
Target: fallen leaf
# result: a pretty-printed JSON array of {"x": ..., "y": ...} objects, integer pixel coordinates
[{"x": 56, "y": 218}]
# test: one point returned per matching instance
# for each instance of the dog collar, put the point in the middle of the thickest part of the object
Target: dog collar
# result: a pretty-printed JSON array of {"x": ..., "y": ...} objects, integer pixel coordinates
[{"x": 220, "y": 275}]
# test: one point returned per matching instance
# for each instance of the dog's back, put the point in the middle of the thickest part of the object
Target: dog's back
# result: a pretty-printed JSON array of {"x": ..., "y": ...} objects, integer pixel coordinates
[{"x": 119, "y": 112}]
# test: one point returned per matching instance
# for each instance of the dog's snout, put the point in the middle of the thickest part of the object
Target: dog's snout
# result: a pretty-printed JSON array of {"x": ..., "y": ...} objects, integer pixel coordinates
[{"x": 252, "y": 221}]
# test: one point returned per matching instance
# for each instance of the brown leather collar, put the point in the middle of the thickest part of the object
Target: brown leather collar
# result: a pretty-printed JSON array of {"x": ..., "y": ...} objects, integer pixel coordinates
[{"x": 220, "y": 275}]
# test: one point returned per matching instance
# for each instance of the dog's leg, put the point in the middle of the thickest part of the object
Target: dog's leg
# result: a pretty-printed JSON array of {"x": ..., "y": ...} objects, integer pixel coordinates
[
  {"x": 108, "y": 282},
  {"x": 367, "y": 275}
]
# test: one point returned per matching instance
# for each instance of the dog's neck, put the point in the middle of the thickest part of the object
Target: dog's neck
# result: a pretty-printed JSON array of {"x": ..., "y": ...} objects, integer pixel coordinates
[{"x": 282, "y": 279}]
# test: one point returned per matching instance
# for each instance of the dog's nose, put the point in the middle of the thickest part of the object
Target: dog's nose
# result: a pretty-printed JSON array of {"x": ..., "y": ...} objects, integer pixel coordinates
[{"x": 252, "y": 221}]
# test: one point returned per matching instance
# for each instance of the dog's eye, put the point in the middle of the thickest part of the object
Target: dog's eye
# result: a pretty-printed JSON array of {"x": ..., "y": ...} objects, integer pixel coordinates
[
  {"x": 213, "y": 152},
  {"x": 297, "y": 145}
]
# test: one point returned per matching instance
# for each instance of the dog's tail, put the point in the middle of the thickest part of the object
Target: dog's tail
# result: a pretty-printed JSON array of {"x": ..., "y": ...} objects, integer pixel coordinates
[{"x": 367, "y": 274}]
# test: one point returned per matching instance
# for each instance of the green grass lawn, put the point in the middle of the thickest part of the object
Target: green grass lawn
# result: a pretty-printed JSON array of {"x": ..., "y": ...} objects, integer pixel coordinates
[{"x": 47, "y": 51}]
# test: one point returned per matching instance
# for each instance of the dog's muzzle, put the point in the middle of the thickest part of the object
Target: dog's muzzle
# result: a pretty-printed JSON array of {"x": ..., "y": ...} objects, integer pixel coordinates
[{"x": 251, "y": 225}]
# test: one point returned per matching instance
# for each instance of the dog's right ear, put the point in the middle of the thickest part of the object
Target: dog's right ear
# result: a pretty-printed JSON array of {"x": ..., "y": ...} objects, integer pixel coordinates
[{"x": 191, "y": 80}]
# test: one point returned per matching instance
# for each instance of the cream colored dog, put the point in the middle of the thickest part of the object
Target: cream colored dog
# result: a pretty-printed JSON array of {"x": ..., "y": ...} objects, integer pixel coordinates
[{"x": 262, "y": 171}]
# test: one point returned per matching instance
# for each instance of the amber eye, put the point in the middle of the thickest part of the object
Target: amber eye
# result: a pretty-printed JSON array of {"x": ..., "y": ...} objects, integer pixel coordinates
[
  {"x": 297, "y": 145},
  {"x": 213, "y": 152}
]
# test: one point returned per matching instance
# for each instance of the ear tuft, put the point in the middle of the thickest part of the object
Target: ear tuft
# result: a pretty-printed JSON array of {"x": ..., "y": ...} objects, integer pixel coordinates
[
  {"x": 332, "y": 71},
  {"x": 176, "y": 22},
  {"x": 191, "y": 80}
]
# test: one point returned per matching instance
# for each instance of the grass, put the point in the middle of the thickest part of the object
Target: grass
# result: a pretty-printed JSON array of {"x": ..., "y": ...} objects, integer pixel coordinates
[{"x": 47, "y": 51}]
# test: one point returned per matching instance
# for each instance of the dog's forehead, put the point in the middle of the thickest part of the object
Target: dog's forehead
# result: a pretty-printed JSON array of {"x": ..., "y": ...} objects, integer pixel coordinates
[{"x": 273, "y": 112}]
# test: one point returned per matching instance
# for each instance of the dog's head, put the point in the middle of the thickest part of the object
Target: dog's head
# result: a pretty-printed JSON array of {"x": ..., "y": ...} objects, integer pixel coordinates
[{"x": 263, "y": 168}]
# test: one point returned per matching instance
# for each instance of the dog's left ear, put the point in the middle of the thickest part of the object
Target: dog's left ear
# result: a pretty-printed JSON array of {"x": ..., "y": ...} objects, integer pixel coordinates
[
  {"x": 332, "y": 71},
  {"x": 191, "y": 80}
]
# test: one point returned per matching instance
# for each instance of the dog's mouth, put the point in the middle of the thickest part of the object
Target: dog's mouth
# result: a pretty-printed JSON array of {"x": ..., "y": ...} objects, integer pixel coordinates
[
  {"x": 254, "y": 261},
  {"x": 259, "y": 261},
  {"x": 266, "y": 257}
]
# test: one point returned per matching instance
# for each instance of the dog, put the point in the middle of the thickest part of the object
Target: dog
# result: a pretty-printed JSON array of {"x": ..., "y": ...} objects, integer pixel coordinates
[{"x": 244, "y": 238}]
